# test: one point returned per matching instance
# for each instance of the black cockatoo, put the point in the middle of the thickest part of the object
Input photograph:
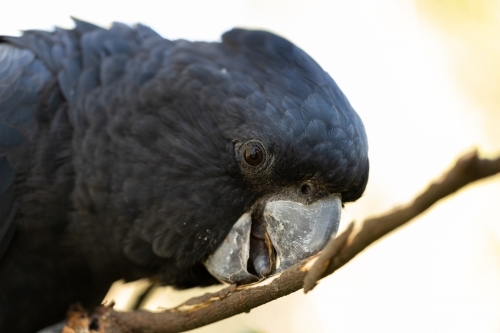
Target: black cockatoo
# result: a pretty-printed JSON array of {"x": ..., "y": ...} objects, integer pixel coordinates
[{"x": 127, "y": 155}]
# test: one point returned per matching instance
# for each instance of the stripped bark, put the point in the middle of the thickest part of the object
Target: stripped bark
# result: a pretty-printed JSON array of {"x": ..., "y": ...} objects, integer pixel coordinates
[{"x": 233, "y": 300}]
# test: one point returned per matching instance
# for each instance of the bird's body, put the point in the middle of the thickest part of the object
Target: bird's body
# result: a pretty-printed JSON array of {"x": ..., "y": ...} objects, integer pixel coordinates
[{"x": 126, "y": 155}]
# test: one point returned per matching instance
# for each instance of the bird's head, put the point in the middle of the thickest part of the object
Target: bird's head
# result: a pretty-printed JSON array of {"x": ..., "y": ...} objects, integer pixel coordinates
[
  {"x": 256, "y": 150},
  {"x": 300, "y": 146}
]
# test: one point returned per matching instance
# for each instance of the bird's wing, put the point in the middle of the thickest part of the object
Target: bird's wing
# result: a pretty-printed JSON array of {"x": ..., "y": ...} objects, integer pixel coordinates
[
  {"x": 22, "y": 78},
  {"x": 41, "y": 72}
]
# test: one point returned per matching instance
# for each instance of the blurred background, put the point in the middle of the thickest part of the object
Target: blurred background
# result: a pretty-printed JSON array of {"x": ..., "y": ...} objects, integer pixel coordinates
[{"x": 424, "y": 75}]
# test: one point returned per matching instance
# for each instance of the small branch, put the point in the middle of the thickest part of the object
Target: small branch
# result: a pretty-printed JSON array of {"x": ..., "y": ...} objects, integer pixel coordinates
[
  {"x": 206, "y": 309},
  {"x": 233, "y": 300},
  {"x": 468, "y": 169}
]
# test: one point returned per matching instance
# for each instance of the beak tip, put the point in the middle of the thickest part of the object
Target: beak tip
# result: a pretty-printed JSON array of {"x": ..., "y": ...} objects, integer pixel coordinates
[{"x": 298, "y": 231}]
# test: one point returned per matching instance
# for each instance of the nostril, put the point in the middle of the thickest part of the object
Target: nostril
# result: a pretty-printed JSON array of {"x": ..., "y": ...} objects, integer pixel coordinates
[{"x": 306, "y": 189}]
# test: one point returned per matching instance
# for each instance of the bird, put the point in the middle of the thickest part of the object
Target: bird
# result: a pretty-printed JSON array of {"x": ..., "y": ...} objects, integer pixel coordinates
[{"x": 125, "y": 155}]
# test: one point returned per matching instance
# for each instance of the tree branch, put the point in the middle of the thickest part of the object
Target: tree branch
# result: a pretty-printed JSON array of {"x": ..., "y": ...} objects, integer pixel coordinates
[
  {"x": 233, "y": 300},
  {"x": 469, "y": 168}
]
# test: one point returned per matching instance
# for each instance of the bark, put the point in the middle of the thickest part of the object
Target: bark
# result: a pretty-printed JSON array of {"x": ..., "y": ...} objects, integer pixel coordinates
[{"x": 233, "y": 300}]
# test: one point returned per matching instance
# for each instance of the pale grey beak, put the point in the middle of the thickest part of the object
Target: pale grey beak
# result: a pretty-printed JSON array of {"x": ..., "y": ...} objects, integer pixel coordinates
[
  {"x": 229, "y": 261},
  {"x": 289, "y": 232}
]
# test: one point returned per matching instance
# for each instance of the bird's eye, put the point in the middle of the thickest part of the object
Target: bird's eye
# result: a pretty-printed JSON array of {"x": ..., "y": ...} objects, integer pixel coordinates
[{"x": 253, "y": 155}]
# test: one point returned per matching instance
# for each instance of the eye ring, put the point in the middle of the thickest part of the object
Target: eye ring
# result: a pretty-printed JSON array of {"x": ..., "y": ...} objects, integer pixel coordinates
[{"x": 252, "y": 154}]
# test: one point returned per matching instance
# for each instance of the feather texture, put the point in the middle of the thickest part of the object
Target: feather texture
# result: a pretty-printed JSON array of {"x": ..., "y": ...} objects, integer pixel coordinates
[{"x": 118, "y": 148}]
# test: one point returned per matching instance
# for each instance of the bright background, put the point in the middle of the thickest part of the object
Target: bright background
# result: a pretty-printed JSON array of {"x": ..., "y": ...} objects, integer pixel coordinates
[{"x": 424, "y": 75}]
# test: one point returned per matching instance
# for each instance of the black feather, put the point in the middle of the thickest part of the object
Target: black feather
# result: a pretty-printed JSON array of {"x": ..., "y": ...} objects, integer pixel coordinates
[{"x": 119, "y": 149}]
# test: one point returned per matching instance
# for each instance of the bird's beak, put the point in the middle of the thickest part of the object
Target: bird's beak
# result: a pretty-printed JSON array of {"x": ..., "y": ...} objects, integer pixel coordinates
[{"x": 285, "y": 233}]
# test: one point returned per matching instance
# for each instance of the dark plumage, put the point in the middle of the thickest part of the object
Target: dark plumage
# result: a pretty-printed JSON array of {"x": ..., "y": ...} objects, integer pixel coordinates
[{"x": 120, "y": 159}]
